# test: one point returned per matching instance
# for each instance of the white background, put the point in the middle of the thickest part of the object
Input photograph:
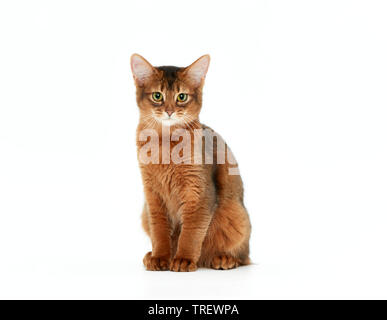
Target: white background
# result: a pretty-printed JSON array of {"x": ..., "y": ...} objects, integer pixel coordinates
[{"x": 297, "y": 89}]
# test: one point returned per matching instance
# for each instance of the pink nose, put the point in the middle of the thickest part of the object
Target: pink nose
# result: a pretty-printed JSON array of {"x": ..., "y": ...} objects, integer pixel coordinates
[{"x": 169, "y": 112}]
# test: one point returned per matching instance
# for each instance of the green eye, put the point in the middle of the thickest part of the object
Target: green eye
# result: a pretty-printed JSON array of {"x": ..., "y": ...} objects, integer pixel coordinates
[
  {"x": 157, "y": 96},
  {"x": 182, "y": 97}
]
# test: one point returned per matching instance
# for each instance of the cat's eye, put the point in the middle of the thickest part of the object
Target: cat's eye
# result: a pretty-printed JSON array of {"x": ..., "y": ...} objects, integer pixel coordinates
[
  {"x": 157, "y": 96},
  {"x": 182, "y": 97}
]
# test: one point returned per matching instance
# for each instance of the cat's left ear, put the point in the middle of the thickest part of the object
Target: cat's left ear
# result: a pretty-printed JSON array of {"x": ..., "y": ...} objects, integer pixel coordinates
[{"x": 196, "y": 72}]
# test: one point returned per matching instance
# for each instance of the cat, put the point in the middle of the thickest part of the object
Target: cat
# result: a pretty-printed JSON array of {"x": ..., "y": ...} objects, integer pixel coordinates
[{"x": 193, "y": 212}]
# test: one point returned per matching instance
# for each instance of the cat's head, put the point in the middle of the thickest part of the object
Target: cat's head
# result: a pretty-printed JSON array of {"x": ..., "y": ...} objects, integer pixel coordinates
[{"x": 169, "y": 95}]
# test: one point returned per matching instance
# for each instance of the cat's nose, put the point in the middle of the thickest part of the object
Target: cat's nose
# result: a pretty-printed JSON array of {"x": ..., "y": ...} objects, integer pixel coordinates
[{"x": 169, "y": 112}]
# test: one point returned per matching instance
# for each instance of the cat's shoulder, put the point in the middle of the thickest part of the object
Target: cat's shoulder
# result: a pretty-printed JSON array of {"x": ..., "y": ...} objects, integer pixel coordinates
[
  {"x": 208, "y": 128},
  {"x": 205, "y": 127}
]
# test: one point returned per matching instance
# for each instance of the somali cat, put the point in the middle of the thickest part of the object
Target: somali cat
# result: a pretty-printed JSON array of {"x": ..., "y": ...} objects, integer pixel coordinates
[{"x": 194, "y": 212}]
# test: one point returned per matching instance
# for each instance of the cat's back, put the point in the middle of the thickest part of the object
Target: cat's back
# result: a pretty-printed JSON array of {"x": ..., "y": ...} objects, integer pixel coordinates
[{"x": 226, "y": 175}]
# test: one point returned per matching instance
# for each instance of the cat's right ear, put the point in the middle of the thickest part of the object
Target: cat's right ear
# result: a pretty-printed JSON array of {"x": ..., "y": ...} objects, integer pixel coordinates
[{"x": 141, "y": 69}]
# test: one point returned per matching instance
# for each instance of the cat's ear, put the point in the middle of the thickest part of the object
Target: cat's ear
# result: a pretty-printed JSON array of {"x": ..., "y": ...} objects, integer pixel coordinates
[
  {"x": 196, "y": 72},
  {"x": 141, "y": 69}
]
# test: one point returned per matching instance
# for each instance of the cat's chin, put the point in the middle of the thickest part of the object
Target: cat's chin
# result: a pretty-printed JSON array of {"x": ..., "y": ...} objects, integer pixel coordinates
[{"x": 169, "y": 122}]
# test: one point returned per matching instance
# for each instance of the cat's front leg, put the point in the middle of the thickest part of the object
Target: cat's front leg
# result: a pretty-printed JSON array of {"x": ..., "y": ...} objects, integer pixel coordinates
[
  {"x": 159, "y": 258},
  {"x": 196, "y": 218}
]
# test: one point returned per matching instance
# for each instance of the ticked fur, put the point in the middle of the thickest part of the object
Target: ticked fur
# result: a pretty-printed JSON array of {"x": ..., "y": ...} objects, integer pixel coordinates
[{"x": 193, "y": 213}]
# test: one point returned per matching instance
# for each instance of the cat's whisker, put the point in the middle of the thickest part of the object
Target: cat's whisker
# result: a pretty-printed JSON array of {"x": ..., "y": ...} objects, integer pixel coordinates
[
  {"x": 146, "y": 120},
  {"x": 187, "y": 124},
  {"x": 191, "y": 121},
  {"x": 150, "y": 121}
]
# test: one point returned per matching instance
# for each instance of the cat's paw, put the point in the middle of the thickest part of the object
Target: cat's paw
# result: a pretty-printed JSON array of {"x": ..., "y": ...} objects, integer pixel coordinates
[
  {"x": 155, "y": 263},
  {"x": 182, "y": 265},
  {"x": 224, "y": 262}
]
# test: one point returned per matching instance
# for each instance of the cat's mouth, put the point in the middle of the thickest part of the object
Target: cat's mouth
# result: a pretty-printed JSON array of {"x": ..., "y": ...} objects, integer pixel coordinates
[{"x": 169, "y": 120}]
